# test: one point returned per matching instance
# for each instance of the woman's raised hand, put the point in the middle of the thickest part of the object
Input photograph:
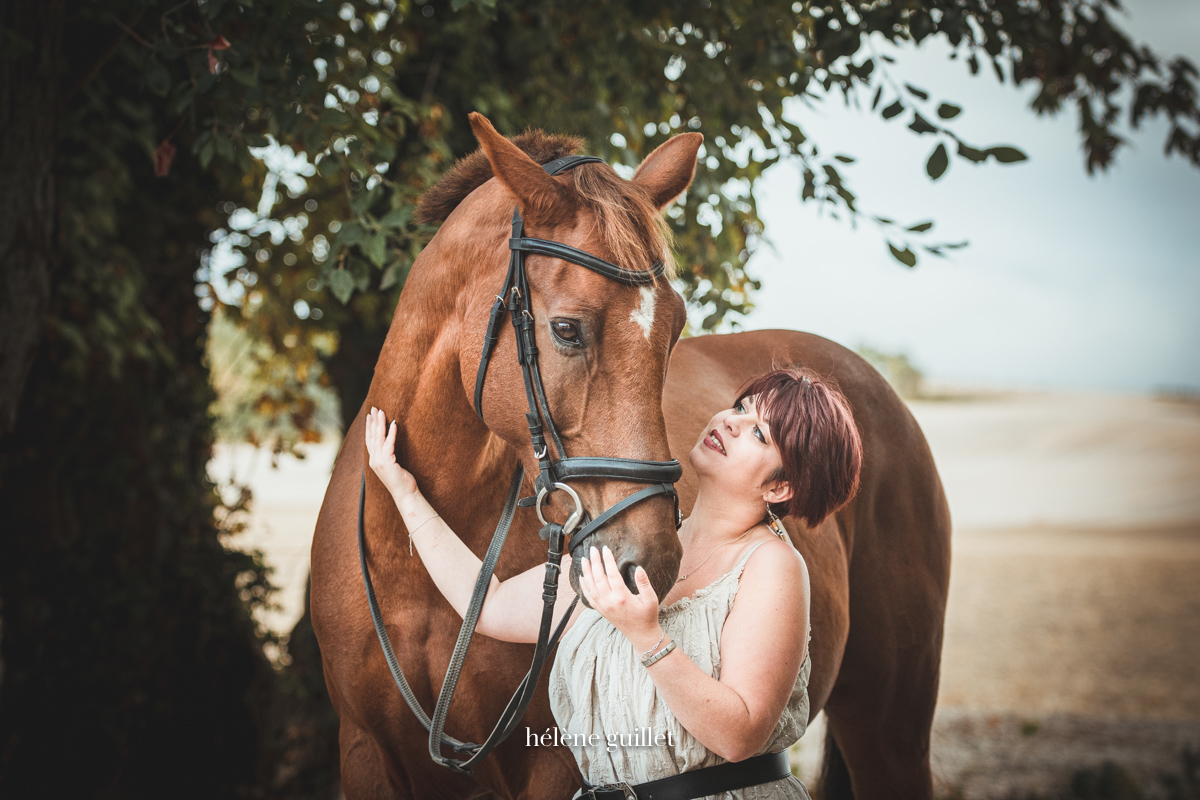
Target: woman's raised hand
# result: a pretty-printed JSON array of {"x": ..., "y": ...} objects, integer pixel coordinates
[
  {"x": 635, "y": 615},
  {"x": 381, "y": 446}
]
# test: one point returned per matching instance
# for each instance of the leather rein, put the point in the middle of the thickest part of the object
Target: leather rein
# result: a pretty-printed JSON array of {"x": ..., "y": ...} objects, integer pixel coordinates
[{"x": 553, "y": 474}]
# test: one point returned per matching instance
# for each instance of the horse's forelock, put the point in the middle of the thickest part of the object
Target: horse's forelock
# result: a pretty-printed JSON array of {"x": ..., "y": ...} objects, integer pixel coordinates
[
  {"x": 628, "y": 225},
  {"x": 474, "y": 170}
]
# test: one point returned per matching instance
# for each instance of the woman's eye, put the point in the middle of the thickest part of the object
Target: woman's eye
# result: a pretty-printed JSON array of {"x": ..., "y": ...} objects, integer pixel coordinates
[
  {"x": 565, "y": 331},
  {"x": 761, "y": 437},
  {"x": 738, "y": 406}
]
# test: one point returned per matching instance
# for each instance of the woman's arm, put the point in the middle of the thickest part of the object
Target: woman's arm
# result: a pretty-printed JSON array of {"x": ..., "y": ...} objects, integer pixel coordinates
[
  {"x": 763, "y": 643},
  {"x": 512, "y": 611}
]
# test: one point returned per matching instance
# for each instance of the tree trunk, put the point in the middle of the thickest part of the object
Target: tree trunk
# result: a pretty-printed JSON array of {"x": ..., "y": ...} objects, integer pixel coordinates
[
  {"x": 29, "y": 97},
  {"x": 131, "y": 666}
]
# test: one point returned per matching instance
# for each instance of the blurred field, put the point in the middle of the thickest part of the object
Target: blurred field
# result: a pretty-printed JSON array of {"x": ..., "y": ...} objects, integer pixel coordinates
[{"x": 1073, "y": 628}]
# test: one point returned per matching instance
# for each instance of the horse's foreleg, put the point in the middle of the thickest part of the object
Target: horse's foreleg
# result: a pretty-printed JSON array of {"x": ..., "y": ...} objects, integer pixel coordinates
[{"x": 364, "y": 770}]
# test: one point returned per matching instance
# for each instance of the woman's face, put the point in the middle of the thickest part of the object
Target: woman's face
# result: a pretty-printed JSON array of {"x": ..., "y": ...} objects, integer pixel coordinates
[{"x": 737, "y": 449}]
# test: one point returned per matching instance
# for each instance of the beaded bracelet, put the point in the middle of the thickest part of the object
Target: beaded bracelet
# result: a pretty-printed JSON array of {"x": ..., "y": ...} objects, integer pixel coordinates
[{"x": 648, "y": 661}]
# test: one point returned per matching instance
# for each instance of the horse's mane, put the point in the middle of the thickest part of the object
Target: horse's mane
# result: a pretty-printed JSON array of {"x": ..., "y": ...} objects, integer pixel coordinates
[{"x": 626, "y": 219}]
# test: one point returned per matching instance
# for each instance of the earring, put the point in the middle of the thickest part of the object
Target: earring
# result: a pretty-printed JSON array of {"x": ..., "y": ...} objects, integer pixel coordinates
[{"x": 776, "y": 525}]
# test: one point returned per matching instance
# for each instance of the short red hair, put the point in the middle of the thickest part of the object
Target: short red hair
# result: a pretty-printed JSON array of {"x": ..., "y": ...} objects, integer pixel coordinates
[{"x": 813, "y": 427}]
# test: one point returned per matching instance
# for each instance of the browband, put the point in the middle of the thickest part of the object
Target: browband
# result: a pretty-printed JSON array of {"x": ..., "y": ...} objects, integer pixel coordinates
[{"x": 583, "y": 259}]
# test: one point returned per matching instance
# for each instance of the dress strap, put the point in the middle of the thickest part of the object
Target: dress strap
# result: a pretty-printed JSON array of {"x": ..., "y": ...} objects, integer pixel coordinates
[{"x": 741, "y": 565}]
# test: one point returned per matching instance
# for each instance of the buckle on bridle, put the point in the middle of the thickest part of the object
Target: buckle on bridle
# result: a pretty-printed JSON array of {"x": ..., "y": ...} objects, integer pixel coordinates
[{"x": 609, "y": 789}]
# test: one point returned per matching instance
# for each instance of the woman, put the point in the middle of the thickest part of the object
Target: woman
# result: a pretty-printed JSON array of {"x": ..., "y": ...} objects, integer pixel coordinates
[{"x": 724, "y": 663}]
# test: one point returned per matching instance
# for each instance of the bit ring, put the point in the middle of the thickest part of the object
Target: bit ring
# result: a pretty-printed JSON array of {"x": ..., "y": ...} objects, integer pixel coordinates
[{"x": 572, "y": 521}]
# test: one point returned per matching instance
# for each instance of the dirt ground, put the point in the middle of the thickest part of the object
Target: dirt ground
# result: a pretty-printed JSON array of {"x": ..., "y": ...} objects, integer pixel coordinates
[{"x": 1073, "y": 624}]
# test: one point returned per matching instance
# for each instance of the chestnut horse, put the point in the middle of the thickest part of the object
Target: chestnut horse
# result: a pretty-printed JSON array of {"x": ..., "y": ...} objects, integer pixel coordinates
[{"x": 883, "y": 561}]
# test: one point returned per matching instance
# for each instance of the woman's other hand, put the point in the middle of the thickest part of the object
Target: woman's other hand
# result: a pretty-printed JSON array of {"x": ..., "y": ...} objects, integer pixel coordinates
[
  {"x": 381, "y": 445},
  {"x": 635, "y": 615}
]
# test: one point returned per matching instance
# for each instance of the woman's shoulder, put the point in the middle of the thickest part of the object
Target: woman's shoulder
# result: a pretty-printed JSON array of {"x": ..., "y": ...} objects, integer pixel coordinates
[{"x": 772, "y": 561}]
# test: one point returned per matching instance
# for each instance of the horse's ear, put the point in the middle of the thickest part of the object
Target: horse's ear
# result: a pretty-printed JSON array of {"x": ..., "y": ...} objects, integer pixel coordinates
[
  {"x": 539, "y": 196},
  {"x": 668, "y": 171}
]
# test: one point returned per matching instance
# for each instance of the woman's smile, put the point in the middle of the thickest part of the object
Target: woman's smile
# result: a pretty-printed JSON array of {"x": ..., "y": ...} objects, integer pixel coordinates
[{"x": 715, "y": 441}]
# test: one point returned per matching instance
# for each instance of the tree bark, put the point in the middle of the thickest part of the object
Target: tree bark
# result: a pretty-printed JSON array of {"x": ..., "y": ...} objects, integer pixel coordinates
[{"x": 29, "y": 105}]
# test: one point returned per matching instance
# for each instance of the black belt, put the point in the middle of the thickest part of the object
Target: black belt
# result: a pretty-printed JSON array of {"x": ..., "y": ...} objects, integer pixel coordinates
[{"x": 701, "y": 782}]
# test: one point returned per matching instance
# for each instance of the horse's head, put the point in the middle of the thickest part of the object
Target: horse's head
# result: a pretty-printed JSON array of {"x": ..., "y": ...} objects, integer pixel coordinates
[{"x": 602, "y": 345}]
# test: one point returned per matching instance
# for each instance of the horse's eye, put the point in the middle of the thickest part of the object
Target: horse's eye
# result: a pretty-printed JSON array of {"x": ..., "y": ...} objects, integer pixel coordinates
[{"x": 566, "y": 331}]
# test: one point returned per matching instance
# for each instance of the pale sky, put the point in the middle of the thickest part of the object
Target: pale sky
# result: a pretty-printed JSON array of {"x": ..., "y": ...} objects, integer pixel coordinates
[{"x": 1069, "y": 282}]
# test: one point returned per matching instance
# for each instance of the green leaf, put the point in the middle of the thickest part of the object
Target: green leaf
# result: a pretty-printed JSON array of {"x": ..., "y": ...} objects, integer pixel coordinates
[
  {"x": 363, "y": 200},
  {"x": 314, "y": 140},
  {"x": 938, "y": 161},
  {"x": 845, "y": 159},
  {"x": 384, "y": 150},
  {"x": 948, "y": 111},
  {"x": 875, "y": 101},
  {"x": 256, "y": 140},
  {"x": 884, "y": 221},
  {"x": 360, "y": 270},
  {"x": 921, "y": 228},
  {"x": 158, "y": 79},
  {"x": 1006, "y": 155},
  {"x": 375, "y": 249},
  {"x": 245, "y": 76},
  {"x": 921, "y": 125},
  {"x": 396, "y": 272},
  {"x": 459, "y": 5},
  {"x": 351, "y": 233},
  {"x": 921, "y": 93},
  {"x": 341, "y": 283},
  {"x": 955, "y": 246},
  {"x": 906, "y": 257},
  {"x": 183, "y": 101},
  {"x": 328, "y": 166},
  {"x": 397, "y": 217},
  {"x": 893, "y": 110},
  {"x": 331, "y": 116},
  {"x": 971, "y": 153},
  {"x": 206, "y": 153}
]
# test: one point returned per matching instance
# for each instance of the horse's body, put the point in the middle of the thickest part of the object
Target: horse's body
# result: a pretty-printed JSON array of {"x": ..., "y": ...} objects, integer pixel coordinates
[
  {"x": 879, "y": 568},
  {"x": 882, "y": 563}
]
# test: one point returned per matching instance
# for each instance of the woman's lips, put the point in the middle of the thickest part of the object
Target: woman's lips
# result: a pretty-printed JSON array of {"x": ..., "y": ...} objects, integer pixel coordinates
[{"x": 714, "y": 441}]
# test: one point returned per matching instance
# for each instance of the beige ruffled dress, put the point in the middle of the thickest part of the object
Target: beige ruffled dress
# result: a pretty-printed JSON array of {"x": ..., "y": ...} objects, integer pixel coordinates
[{"x": 600, "y": 693}]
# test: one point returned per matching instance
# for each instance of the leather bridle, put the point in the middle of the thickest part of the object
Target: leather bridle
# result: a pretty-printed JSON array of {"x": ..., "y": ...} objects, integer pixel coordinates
[{"x": 553, "y": 475}]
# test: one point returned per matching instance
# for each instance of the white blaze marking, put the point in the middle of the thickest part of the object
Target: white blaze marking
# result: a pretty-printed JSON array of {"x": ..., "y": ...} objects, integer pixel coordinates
[{"x": 643, "y": 315}]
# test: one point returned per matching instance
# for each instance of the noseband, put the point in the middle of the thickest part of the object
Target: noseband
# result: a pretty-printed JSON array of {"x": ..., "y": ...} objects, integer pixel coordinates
[{"x": 553, "y": 475}]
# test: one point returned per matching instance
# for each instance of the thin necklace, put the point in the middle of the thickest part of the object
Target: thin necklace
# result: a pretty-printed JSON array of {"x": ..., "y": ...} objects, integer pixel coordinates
[{"x": 710, "y": 554}]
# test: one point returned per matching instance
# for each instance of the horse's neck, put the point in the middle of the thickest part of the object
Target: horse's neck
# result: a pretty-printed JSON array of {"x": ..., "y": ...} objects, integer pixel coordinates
[{"x": 458, "y": 463}]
